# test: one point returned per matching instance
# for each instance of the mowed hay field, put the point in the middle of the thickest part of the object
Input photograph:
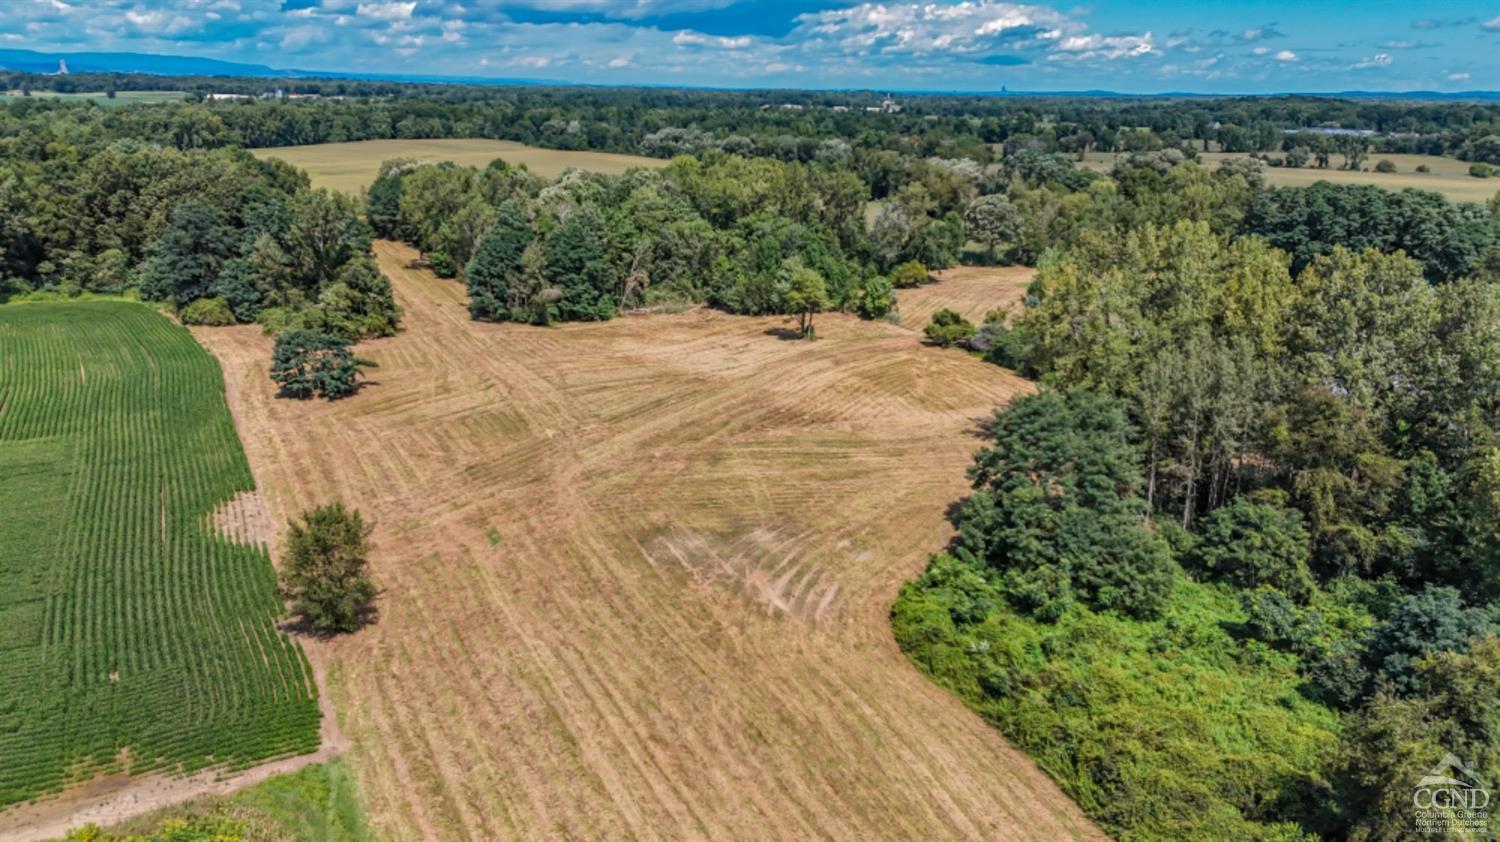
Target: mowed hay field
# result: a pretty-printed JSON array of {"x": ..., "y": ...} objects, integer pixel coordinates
[
  {"x": 636, "y": 576},
  {"x": 137, "y": 607},
  {"x": 1449, "y": 176},
  {"x": 352, "y": 167},
  {"x": 971, "y": 291}
]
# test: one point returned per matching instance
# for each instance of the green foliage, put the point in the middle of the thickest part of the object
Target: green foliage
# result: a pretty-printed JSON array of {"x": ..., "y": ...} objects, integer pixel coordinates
[
  {"x": 493, "y": 273},
  {"x": 117, "y": 450},
  {"x": 1163, "y": 729},
  {"x": 948, "y": 328},
  {"x": 324, "y": 568},
  {"x": 1385, "y": 165},
  {"x": 1059, "y": 489},
  {"x": 318, "y": 803},
  {"x": 876, "y": 298},
  {"x": 1448, "y": 240},
  {"x": 803, "y": 294},
  {"x": 994, "y": 221},
  {"x": 207, "y": 311},
  {"x": 909, "y": 274},
  {"x": 577, "y": 267},
  {"x": 1480, "y": 169},
  {"x": 1250, "y": 544},
  {"x": 309, "y": 363},
  {"x": 1430, "y": 621}
]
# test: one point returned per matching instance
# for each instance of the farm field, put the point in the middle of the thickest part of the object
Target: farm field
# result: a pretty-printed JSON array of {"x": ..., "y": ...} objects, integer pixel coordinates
[
  {"x": 99, "y": 97},
  {"x": 971, "y": 291},
  {"x": 352, "y": 167},
  {"x": 137, "y": 622},
  {"x": 1449, "y": 176},
  {"x": 636, "y": 576}
]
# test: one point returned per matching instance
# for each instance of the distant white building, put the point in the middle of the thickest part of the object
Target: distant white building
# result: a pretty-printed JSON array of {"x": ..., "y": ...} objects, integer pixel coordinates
[
  {"x": 62, "y": 67},
  {"x": 226, "y": 96}
]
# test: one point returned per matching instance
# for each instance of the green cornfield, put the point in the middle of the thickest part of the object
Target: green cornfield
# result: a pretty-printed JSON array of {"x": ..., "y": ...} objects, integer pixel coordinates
[{"x": 133, "y": 635}]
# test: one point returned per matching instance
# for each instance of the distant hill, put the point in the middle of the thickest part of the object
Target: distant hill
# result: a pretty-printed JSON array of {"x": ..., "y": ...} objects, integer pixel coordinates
[{"x": 31, "y": 61}]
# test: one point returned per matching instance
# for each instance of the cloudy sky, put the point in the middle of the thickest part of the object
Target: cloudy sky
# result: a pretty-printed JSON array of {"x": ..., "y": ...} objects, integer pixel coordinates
[{"x": 1170, "y": 45}]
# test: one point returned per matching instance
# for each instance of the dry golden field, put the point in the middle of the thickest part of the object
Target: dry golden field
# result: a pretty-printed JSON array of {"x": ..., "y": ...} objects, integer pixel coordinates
[
  {"x": 971, "y": 291},
  {"x": 1449, "y": 176},
  {"x": 636, "y": 576},
  {"x": 352, "y": 167}
]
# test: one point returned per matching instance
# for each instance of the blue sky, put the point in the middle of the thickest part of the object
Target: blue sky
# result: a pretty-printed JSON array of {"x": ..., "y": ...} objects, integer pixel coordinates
[{"x": 1173, "y": 45}]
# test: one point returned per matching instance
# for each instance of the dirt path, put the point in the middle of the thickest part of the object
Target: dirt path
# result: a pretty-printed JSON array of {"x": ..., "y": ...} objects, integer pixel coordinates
[{"x": 637, "y": 575}]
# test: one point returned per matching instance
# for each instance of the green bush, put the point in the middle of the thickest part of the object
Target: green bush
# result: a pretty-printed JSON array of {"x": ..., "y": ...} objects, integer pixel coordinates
[
  {"x": 876, "y": 299},
  {"x": 1249, "y": 544},
  {"x": 948, "y": 328},
  {"x": 1385, "y": 165},
  {"x": 909, "y": 274},
  {"x": 212, "y": 312},
  {"x": 1479, "y": 169}
]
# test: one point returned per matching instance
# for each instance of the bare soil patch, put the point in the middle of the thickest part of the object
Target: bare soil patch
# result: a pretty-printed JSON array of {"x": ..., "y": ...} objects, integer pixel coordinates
[{"x": 636, "y": 576}]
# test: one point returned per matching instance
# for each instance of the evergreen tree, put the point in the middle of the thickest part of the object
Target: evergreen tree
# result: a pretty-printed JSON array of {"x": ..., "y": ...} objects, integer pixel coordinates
[
  {"x": 311, "y": 363},
  {"x": 496, "y": 264}
]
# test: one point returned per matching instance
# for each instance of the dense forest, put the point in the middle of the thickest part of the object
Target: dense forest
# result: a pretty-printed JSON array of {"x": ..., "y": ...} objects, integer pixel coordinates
[{"x": 1229, "y": 574}]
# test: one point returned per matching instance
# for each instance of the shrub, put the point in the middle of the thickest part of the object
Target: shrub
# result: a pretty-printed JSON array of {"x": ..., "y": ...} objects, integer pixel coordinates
[
  {"x": 876, "y": 299},
  {"x": 1251, "y": 544},
  {"x": 948, "y": 328},
  {"x": 325, "y": 574},
  {"x": 212, "y": 312},
  {"x": 1385, "y": 165},
  {"x": 909, "y": 274},
  {"x": 1423, "y": 168},
  {"x": 1480, "y": 169}
]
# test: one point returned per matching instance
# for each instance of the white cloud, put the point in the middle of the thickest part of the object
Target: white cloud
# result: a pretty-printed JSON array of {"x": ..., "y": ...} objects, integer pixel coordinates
[
  {"x": 387, "y": 11},
  {"x": 619, "y": 61},
  {"x": 1079, "y": 47},
  {"x": 1492, "y": 25},
  {"x": 1457, "y": 77},
  {"x": 1286, "y": 55},
  {"x": 1260, "y": 51},
  {"x": 686, "y": 38},
  {"x": 1377, "y": 60}
]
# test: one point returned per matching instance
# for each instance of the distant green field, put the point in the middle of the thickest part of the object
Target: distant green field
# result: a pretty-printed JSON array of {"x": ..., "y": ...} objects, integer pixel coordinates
[
  {"x": 352, "y": 167},
  {"x": 133, "y": 635},
  {"x": 121, "y": 97},
  {"x": 1448, "y": 176}
]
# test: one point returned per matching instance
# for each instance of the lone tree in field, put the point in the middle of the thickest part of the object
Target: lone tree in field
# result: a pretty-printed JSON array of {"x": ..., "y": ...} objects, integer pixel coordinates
[
  {"x": 805, "y": 294},
  {"x": 324, "y": 572},
  {"x": 994, "y": 221},
  {"x": 311, "y": 363}
]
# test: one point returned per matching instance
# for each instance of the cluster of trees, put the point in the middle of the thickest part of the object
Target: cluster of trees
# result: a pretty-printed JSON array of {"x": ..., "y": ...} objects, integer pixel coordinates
[
  {"x": 219, "y": 235},
  {"x": 1262, "y": 470},
  {"x": 750, "y": 235}
]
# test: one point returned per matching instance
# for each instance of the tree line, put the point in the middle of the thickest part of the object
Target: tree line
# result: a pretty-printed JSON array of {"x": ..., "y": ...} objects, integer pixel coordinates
[{"x": 1234, "y": 572}]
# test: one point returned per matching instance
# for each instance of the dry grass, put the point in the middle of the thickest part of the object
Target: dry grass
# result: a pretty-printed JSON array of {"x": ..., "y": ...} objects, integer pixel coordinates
[
  {"x": 972, "y": 291},
  {"x": 352, "y": 167},
  {"x": 636, "y": 576},
  {"x": 1449, "y": 176}
]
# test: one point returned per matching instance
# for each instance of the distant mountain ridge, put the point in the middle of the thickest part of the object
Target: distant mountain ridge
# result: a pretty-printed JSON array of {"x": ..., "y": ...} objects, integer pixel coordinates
[{"x": 33, "y": 61}]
